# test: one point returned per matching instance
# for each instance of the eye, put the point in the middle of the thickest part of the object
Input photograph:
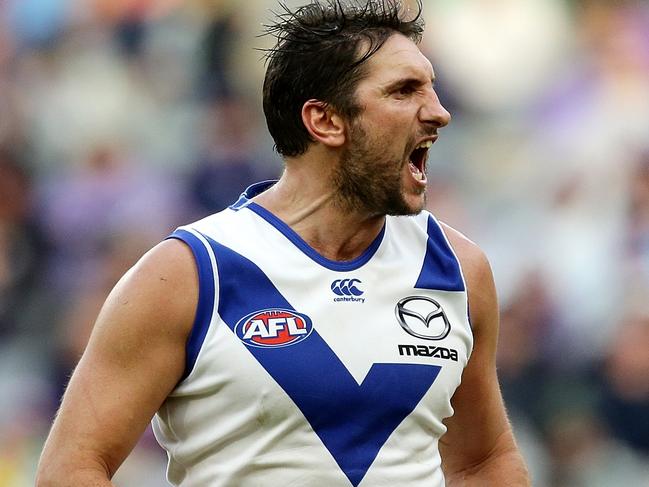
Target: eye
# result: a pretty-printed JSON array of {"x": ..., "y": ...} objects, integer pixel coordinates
[{"x": 405, "y": 90}]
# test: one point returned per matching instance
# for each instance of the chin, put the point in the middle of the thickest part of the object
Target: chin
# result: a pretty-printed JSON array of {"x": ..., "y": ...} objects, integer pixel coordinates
[
  {"x": 408, "y": 208},
  {"x": 417, "y": 203}
]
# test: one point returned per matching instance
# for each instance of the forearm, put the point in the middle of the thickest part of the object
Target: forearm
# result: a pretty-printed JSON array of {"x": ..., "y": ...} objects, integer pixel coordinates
[
  {"x": 50, "y": 477},
  {"x": 506, "y": 469},
  {"x": 66, "y": 463},
  {"x": 68, "y": 458}
]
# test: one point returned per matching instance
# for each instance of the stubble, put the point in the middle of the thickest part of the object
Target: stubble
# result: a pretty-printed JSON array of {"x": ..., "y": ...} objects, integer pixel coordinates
[{"x": 368, "y": 180}]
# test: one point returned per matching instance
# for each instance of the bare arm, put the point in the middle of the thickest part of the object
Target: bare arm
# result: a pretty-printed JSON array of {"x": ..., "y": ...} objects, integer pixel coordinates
[
  {"x": 135, "y": 357},
  {"x": 479, "y": 448}
]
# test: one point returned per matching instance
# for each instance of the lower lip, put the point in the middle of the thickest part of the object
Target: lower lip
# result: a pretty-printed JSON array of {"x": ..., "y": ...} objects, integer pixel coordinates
[{"x": 419, "y": 182}]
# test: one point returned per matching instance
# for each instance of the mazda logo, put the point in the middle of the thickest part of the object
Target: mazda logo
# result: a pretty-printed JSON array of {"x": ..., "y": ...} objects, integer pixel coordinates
[{"x": 424, "y": 314}]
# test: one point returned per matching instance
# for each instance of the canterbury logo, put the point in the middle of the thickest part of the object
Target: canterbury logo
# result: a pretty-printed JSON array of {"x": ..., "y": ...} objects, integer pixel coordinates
[{"x": 346, "y": 287}]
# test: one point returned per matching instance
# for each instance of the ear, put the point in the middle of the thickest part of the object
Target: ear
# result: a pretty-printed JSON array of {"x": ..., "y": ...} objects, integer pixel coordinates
[{"x": 323, "y": 123}]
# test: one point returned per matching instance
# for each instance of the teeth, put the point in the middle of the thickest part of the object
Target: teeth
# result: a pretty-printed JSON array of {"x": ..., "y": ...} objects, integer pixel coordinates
[
  {"x": 425, "y": 145},
  {"x": 417, "y": 173}
]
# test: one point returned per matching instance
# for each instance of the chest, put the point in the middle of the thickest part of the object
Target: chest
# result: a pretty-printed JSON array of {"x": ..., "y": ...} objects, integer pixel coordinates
[
  {"x": 359, "y": 361},
  {"x": 326, "y": 333}
]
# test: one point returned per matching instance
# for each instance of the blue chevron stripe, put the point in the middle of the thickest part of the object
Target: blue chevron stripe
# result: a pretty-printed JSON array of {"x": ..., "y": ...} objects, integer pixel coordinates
[
  {"x": 353, "y": 421},
  {"x": 440, "y": 269}
]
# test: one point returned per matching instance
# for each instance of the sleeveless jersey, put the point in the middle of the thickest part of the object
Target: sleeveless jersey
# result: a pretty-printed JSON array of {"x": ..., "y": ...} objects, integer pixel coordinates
[{"x": 302, "y": 371}]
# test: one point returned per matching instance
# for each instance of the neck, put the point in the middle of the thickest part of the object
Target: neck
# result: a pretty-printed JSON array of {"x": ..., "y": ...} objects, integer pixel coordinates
[{"x": 306, "y": 200}]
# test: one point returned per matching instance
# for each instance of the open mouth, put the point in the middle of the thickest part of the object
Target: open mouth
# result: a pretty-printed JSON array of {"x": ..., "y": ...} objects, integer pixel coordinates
[{"x": 418, "y": 159}]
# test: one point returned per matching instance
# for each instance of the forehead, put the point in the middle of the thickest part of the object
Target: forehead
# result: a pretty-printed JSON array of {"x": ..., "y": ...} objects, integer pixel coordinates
[{"x": 398, "y": 58}]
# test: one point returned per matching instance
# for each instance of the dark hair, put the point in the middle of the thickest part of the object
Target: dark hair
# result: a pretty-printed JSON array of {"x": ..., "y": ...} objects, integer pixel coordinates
[{"x": 320, "y": 54}]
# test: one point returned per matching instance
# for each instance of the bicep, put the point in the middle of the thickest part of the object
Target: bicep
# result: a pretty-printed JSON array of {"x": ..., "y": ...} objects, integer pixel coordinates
[
  {"x": 479, "y": 422},
  {"x": 135, "y": 357}
]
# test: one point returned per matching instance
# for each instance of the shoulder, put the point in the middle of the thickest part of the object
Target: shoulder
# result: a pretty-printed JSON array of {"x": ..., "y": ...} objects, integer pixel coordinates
[
  {"x": 473, "y": 260},
  {"x": 161, "y": 289},
  {"x": 170, "y": 262},
  {"x": 477, "y": 273}
]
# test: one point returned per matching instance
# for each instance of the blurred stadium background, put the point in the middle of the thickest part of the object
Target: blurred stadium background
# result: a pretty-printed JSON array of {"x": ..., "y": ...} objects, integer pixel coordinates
[{"x": 120, "y": 119}]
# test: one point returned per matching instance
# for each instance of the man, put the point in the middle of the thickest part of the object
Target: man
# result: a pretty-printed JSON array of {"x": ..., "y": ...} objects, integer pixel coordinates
[{"x": 317, "y": 332}]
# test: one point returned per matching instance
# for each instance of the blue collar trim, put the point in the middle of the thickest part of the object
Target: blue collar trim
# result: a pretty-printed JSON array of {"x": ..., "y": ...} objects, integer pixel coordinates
[{"x": 245, "y": 201}]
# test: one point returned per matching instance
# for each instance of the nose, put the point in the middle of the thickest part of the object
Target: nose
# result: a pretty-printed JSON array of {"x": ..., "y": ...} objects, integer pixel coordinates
[{"x": 432, "y": 111}]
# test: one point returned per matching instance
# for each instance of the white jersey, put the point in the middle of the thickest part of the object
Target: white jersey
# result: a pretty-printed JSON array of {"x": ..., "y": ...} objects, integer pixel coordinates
[{"x": 302, "y": 371}]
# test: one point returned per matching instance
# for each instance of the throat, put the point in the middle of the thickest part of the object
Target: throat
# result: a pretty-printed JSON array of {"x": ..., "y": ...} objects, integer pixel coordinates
[
  {"x": 342, "y": 240},
  {"x": 335, "y": 233}
]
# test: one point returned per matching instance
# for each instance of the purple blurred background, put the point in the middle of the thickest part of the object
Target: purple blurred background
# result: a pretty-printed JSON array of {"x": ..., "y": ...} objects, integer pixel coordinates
[{"x": 120, "y": 120}]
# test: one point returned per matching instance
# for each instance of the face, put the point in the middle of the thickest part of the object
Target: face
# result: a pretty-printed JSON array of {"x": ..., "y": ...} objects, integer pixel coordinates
[{"x": 383, "y": 164}]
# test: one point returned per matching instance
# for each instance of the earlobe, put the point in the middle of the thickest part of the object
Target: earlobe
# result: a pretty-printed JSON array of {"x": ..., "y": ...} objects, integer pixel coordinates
[{"x": 323, "y": 123}]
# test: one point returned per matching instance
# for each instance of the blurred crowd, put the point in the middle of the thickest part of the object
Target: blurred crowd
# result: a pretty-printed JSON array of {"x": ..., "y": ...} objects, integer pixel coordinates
[{"x": 120, "y": 120}]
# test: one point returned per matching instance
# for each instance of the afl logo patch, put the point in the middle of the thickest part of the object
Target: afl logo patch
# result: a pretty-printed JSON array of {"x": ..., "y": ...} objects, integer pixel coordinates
[{"x": 273, "y": 328}]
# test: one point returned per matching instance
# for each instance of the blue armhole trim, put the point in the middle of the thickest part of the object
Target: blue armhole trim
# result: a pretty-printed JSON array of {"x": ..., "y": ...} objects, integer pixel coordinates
[
  {"x": 440, "y": 270},
  {"x": 206, "y": 294}
]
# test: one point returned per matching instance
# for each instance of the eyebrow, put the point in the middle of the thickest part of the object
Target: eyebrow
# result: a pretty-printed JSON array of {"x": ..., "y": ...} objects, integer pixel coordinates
[{"x": 408, "y": 81}]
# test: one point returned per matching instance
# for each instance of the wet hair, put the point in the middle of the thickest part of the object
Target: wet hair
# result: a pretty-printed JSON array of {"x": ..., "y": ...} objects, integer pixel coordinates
[{"x": 320, "y": 53}]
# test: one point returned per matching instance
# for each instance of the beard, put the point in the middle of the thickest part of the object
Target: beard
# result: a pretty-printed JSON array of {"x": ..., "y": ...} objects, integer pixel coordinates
[{"x": 368, "y": 180}]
